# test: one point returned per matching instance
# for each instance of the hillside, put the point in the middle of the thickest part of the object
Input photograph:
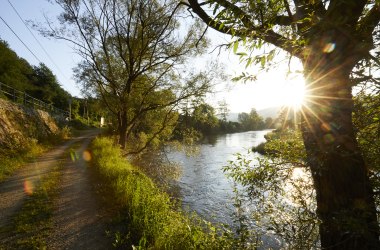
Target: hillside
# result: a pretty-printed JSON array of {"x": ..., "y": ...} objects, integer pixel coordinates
[
  {"x": 269, "y": 112},
  {"x": 37, "y": 81},
  {"x": 19, "y": 125}
]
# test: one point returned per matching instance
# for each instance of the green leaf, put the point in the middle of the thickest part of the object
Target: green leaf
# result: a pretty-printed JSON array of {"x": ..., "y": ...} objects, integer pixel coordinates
[
  {"x": 262, "y": 61},
  {"x": 241, "y": 54},
  {"x": 249, "y": 61},
  {"x": 236, "y": 45}
]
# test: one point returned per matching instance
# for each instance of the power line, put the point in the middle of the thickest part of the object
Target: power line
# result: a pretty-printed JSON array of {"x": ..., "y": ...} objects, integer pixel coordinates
[
  {"x": 35, "y": 38},
  {"x": 20, "y": 39}
]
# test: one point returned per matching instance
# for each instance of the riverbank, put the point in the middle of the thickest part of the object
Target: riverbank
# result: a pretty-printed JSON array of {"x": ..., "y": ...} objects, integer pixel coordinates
[{"x": 149, "y": 218}]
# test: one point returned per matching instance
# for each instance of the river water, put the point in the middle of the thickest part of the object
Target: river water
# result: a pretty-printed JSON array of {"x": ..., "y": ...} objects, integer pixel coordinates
[{"x": 203, "y": 185}]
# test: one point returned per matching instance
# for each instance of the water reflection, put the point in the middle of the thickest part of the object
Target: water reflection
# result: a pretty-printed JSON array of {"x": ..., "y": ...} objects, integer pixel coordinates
[{"x": 203, "y": 186}]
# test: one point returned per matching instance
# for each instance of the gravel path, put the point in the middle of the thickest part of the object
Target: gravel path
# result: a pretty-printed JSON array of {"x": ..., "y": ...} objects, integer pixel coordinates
[{"x": 78, "y": 221}]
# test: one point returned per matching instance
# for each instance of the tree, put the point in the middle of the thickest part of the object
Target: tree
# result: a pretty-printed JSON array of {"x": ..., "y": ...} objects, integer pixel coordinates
[
  {"x": 244, "y": 120},
  {"x": 269, "y": 122},
  {"x": 47, "y": 87},
  {"x": 251, "y": 121},
  {"x": 132, "y": 56},
  {"x": 366, "y": 119},
  {"x": 14, "y": 71},
  {"x": 205, "y": 119},
  {"x": 334, "y": 40},
  {"x": 37, "y": 81}
]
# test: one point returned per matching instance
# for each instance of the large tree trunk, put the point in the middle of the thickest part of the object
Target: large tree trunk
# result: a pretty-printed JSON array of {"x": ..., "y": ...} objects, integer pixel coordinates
[{"x": 345, "y": 203}]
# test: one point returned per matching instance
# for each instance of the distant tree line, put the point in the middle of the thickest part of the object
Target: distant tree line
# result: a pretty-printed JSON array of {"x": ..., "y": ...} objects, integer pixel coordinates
[{"x": 203, "y": 120}]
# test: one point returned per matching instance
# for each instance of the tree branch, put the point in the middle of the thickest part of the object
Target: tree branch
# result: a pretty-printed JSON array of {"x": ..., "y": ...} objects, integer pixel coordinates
[
  {"x": 251, "y": 31},
  {"x": 369, "y": 22}
]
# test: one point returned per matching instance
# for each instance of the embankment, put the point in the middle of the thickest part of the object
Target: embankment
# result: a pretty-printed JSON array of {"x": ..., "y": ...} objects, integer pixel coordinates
[{"x": 19, "y": 125}]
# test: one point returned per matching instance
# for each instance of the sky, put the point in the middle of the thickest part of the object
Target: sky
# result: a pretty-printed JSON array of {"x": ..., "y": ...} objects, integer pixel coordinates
[{"x": 271, "y": 89}]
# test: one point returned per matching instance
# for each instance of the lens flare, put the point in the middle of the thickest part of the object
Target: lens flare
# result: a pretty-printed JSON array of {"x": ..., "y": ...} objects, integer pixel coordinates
[
  {"x": 86, "y": 155},
  {"x": 329, "y": 48},
  {"x": 28, "y": 187}
]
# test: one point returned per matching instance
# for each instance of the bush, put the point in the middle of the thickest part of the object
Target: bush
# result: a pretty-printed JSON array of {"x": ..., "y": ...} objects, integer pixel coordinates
[{"x": 260, "y": 148}]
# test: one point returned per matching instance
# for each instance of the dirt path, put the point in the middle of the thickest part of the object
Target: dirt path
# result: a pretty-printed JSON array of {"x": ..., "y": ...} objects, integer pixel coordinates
[
  {"x": 77, "y": 221},
  {"x": 13, "y": 190}
]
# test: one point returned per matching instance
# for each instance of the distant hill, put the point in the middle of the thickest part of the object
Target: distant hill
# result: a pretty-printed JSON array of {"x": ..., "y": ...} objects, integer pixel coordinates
[
  {"x": 233, "y": 117},
  {"x": 269, "y": 112}
]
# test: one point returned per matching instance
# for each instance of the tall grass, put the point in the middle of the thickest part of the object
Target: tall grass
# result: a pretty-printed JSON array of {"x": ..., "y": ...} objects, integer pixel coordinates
[{"x": 154, "y": 221}]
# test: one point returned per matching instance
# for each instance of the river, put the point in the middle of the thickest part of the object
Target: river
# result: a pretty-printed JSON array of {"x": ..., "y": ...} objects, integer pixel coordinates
[{"x": 203, "y": 185}]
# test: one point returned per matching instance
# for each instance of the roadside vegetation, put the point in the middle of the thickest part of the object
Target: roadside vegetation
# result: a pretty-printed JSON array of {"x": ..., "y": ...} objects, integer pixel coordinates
[
  {"x": 30, "y": 226},
  {"x": 151, "y": 219},
  {"x": 12, "y": 158}
]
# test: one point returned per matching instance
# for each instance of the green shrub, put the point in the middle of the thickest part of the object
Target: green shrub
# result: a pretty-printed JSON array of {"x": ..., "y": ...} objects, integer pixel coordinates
[
  {"x": 260, "y": 148},
  {"x": 154, "y": 221}
]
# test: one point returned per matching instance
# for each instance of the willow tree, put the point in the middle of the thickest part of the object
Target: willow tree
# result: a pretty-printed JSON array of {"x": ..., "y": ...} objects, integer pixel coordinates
[
  {"x": 132, "y": 52},
  {"x": 332, "y": 39}
]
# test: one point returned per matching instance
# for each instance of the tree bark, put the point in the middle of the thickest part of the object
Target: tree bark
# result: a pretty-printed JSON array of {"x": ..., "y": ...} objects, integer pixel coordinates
[
  {"x": 122, "y": 128},
  {"x": 345, "y": 203}
]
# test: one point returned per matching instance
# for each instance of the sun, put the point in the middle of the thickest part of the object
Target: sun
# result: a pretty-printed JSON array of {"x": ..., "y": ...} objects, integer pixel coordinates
[
  {"x": 273, "y": 89},
  {"x": 293, "y": 93}
]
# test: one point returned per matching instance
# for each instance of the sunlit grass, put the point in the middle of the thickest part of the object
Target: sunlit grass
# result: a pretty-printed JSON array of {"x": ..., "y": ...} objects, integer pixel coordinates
[
  {"x": 153, "y": 220},
  {"x": 21, "y": 153},
  {"x": 11, "y": 160}
]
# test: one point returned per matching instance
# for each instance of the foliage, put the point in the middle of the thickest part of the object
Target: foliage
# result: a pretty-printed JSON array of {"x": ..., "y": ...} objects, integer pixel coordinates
[
  {"x": 37, "y": 81},
  {"x": 48, "y": 89},
  {"x": 337, "y": 43},
  {"x": 136, "y": 67},
  {"x": 251, "y": 121},
  {"x": 279, "y": 190},
  {"x": 366, "y": 118},
  {"x": 154, "y": 222},
  {"x": 14, "y": 70},
  {"x": 201, "y": 120},
  {"x": 40, "y": 82}
]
